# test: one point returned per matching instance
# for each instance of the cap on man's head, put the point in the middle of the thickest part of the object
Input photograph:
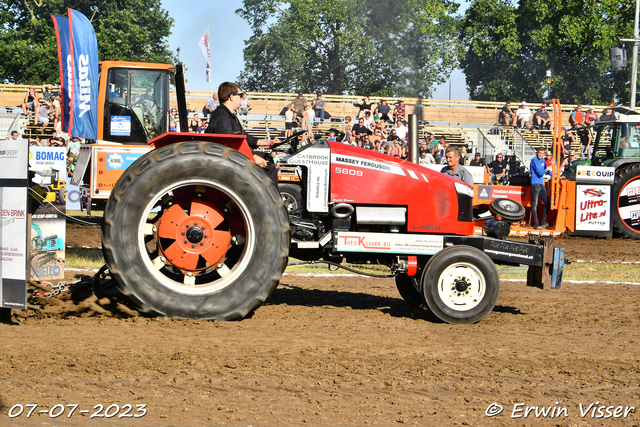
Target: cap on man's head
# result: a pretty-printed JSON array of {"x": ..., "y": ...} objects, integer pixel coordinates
[
  {"x": 478, "y": 155},
  {"x": 300, "y": 94},
  {"x": 543, "y": 106},
  {"x": 432, "y": 133},
  {"x": 572, "y": 152},
  {"x": 523, "y": 103}
]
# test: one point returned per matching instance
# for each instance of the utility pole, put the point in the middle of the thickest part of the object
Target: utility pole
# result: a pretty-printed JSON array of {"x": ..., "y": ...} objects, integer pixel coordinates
[{"x": 634, "y": 64}]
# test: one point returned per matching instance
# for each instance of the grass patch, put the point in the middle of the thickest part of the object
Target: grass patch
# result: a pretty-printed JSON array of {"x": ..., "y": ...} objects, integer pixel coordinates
[
  {"x": 84, "y": 213},
  {"x": 89, "y": 257},
  {"x": 625, "y": 273}
]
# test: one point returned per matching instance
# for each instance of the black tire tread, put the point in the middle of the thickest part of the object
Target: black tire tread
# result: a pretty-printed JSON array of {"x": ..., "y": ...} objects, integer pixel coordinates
[{"x": 619, "y": 227}]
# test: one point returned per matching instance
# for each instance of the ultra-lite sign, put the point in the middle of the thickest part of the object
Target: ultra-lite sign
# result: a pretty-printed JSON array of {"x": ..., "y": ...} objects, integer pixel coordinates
[{"x": 13, "y": 223}]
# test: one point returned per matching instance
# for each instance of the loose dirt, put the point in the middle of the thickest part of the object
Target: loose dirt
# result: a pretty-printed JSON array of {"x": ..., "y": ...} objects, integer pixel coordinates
[{"x": 335, "y": 351}]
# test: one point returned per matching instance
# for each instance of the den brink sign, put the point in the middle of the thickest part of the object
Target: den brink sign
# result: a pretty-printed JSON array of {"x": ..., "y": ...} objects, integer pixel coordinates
[{"x": 14, "y": 183}]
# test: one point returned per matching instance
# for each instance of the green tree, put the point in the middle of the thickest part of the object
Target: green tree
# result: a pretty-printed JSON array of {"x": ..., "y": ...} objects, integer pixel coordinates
[
  {"x": 127, "y": 30},
  {"x": 378, "y": 47},
  {"x": 510, "y": 46}
]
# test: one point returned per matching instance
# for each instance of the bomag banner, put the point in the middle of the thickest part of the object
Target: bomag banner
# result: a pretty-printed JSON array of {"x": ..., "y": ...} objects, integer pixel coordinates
[
  {"x": 47, "y": 166},
  {"x": 78, "y": 59}
]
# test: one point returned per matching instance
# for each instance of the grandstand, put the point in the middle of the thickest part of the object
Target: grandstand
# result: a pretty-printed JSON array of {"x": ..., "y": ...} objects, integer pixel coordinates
[{"x": 470, "y": 123}]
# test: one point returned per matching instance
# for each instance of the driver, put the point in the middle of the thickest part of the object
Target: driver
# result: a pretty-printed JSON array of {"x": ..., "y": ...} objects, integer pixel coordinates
[{"x": 223, "y": 120}]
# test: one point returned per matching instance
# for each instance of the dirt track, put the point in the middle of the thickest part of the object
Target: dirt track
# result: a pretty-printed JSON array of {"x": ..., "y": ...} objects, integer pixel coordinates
[{"x": 338, "y": 351}]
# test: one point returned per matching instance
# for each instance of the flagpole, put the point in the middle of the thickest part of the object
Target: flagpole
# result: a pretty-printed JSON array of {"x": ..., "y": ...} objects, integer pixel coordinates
[{"x": 209, "y": 36}]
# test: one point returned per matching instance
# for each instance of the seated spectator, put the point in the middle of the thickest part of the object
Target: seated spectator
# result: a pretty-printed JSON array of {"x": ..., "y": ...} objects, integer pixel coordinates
[
  {"x": 203, "y": 126},
  {"x": 541, "y": 118},
  {"x": 332, "y": 135},
  {"x": 523, "y": 115},
  {"x": 366, "y": 143},
  {"x": 498, "y": 169},
  {"x": 194, "y": 123},
  {"x": 211, "y": 104},
  {"x": 383, "y": 110},
  {"x": 426, "y": 158},
  {"x": 368, "y": 120},
  {"x": 352, "y": 140},
  {"x": 359, "y": 129},
  {"x": 346, "y": 128},
  {"x": 47, "y": 96},
  {"x": 591, "y": 117},
  {"x": 401, "y": 130},
  {"x": 364, "y": 105},
  {"x": 479, "y": 161},
  {"x": 431, "y": 140},
  {"x": 396, "y": 150},
  {"x": 400, "y": 110},
  {"x": 507, "y": 117},
  {"x": 298, "y": 104},
  {"x": 577, "y": 116},
  {"x": 30, "y": 101},
  {"x": 245, "y": 107},
  {"x": 14, "y": 135},
  {"x": 568, "y": 166},
  {"x": 424, "y": 147},
  {"x": 464, "y": 159},
  {"x": 378, "y": 147},
  {"x": 377, "y": 136},
  {"x": 318, "y": 107},
  {"x": 43, "y": 115}
]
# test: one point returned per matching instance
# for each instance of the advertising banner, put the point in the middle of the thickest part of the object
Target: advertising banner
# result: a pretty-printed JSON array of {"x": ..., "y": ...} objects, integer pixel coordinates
[
  {"x": 78, "y": 58},
  {"x": 48, "y": 226},
  {"x": 593, "y": 207},
  {"x": 14, "y": 184}
]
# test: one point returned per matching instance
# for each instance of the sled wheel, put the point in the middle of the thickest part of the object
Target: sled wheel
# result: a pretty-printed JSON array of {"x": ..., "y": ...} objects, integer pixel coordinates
[
  {"x": 508, "y": 209},
  {"x": 196, "y": 230},
  {"x": 291, "y": 196},
  {"x": 409, "y": 288},
  {"x": 461, "y": 285},
  {"x": 626, "y": 194}
]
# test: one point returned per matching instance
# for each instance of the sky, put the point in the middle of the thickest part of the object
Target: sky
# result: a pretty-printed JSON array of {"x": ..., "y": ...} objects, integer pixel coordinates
[{"x": 228, "y": 33}]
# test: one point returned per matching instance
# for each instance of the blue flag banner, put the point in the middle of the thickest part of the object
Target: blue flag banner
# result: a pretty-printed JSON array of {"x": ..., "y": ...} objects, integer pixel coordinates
[
  {"x": 78, "y": 54},
  {"x": 61, "y": 24}
]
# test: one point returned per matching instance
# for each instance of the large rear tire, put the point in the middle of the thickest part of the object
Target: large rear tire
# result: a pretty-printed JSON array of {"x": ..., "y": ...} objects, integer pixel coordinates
[
  {"x": 196, "y": 230},
  {"x": 461, "y": 285},
  {"x": 626, "y": 196}
]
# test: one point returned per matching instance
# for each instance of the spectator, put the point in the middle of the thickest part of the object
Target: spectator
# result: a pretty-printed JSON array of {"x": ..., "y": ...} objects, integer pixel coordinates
[
  {"x": 454, "y": 168},
  {"x": 400, "y": 110},
  {"x": 444, "y": 144},
  {"x": 364, "y": 105},
  {"x": 464, "y": 159},
  {"x": 368, "y": 120},
  {"x": 383, "y": 110},
  {"x": 318, "y": 107},
  {"x": 210, "y": 105},
  {"x": 523, "y": 115},
  {"x": 299, "y": 103},
  {"x": 194, "y": 123},
  {"x": 73, "y": 145},
  {"x": 366, "y": 142},
  {"x": 397, "y": 149},
  {"x": 479, "y": 161},
  {"x": 47, "y": 96},
  {"x": 352, "y": 140},
  {"x": 30, "y": 101},
  {"x": 203, "y": 126},
  {"x": 310, "y": 117},
  {"x": 43, "y": 115},
  {"x": 577, "y": 116},
  {"x": 498, "y": 169},
  {"x": 541, "y": 118},
  {"x": 548, "y": 160},
  {"x": 346, "y": 128},
  {"x": 288, "y": 120},
  {"x": 568, "y": 166},
  {"x": 245, "y": 107},
  {"x": 378, "y": 147},
  {"x": 538, "y": 170},
  {"x": 359, "y": 129},
  {"x": 276, "y": 158},
  {"x": 431, "y": 140},
  {"x": 438, "y": 152},
  {"x": 426, "y": 158},
  {"x": 401, "y": 130},
  {"x": 591, "y": 117},
  {"x": 14, "y": 135},
  {"x": 507, "y": 117},
  {"x": 567, "y": 141},
  {"x": 377, "y": 136},
  {"x": 388, "y": 143},
  {"x": 585, "y": 139},
  {"x": 424, "y": 147},
  {"x": 332, "y": 135}
]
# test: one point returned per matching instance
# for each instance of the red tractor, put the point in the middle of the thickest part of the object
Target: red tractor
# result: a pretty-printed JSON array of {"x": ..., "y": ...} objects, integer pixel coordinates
[{"x": 195, "y": 229}]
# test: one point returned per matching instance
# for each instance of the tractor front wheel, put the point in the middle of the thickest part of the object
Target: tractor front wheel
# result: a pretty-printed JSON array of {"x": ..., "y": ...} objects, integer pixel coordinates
[{"x": 626, "y": 194}]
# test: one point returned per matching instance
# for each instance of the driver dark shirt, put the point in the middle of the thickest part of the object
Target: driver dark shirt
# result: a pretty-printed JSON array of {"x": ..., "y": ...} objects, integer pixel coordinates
[
  {"x": 223, "y": 121},
  {"x": 497, "y": 167}
]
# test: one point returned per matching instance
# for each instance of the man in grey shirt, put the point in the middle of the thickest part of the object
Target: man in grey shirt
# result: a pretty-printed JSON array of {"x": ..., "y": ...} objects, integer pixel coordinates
[{"x": 454, "y": 168}]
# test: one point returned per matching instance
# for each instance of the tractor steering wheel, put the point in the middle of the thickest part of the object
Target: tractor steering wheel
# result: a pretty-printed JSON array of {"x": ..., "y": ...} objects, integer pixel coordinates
[{"x": 293, "y": 140}]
